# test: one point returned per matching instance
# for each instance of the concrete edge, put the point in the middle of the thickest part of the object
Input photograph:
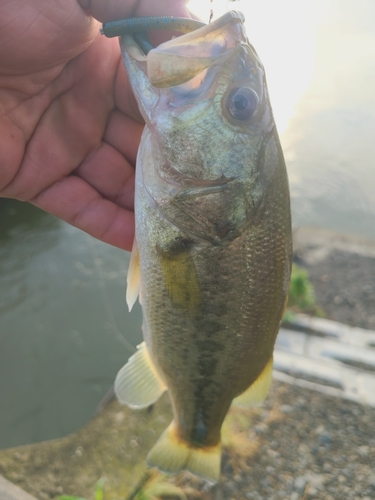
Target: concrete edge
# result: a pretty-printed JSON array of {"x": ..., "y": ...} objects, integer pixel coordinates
[
  {"x": 9, "y": 491},
  {"x": 305, "y": 236}
]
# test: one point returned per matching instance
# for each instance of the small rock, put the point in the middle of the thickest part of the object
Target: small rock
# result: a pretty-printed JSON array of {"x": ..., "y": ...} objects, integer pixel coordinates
[
  {"x": 230, "y": 487},
  {"x": 15, "y": 476},
  {"x": 273, "y": 454},
  {"x": 261, "y": 428},
  {"x": 363, "y": 451},
  {"x": 325, "y": 278},
  {"x": 327, "y": 467},
  {"x": 300, "y": 483},
  {"x": 275, "y": 445},
  {"x": 317, "y": 481},
  {"x": 286, "y": 408},
  {"x": 79, "y": 451},
  {"x": 303, "y": 449},
  {"x": 161, "y": 420},
  {"x": 325, "y": 439},
  {"x": 319, "y": 430},
  {"x": 371, "y": 481},
  {"x": 119, "y": 417}
]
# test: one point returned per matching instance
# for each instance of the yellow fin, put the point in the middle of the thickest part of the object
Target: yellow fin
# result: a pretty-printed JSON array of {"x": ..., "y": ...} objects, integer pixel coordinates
[
  {"x": 134, "y": 277},
  {"x": 258, "y": 391},
  {"x": 138, "y": 384},
  {"x": 181, "y": 279},
  {"x": 168, "y": 70},
  {"x": 171, "y": 454}
]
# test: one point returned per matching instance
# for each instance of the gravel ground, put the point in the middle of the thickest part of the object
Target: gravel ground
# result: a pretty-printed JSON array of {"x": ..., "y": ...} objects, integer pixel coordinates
[{"x": 307, "y": 445}]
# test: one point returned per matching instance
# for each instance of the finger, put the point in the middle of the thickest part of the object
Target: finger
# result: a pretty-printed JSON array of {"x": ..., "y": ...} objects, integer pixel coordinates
[
  {"x": 124, "y": 97},
  {"x": 39, "y": 35},
  {"x": 107, "y": 10},
  {"x": 79, "y": 204},
  {"x": 124, "y": 134},
  {"x": 110, "y": 174},
  {"x": 73, "y": 125},
  {"x": 175, "y": 8}
]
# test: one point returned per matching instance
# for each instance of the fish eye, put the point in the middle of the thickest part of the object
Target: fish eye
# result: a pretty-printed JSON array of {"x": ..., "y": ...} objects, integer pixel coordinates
[{"x": 241, "y": 103}]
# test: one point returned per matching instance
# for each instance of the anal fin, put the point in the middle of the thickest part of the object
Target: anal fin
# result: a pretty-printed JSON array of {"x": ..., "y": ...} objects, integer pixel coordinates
[
  {"x": 257, "y": 392},
  {"x": 138, "y": 384},
  {"x": 172, "y": 454}
]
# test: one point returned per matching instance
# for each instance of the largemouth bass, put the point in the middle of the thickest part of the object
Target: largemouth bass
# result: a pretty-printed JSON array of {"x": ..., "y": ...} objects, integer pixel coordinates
[{"x": 212, "y": 255}]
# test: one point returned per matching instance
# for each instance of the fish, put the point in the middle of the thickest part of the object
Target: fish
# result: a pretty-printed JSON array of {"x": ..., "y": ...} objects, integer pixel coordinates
[{"x": 211, "y": 259}]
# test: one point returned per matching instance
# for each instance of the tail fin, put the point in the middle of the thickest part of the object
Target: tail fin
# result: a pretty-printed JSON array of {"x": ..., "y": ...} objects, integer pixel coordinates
[{"x": 172, "y": 454}]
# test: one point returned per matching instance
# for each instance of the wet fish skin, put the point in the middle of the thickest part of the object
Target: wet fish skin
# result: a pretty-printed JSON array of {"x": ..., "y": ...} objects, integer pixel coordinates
[{"x": 214, "y": 235}]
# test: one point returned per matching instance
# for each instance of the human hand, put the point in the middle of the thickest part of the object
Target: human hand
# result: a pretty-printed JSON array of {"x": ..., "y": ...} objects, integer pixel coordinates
[{"x": 69, "y": 124}]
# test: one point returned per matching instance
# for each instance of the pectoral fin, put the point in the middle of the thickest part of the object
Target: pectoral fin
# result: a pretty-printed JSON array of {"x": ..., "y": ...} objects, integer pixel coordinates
[
  {"x": 138, "y": 383},
  {"x": 134, "y": 277},
  {"x": 258, "y": 391}
]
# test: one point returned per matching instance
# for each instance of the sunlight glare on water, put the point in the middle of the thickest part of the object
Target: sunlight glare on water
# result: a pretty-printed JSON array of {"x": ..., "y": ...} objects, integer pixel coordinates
[
  {"x": 319, "y": 57},
  {"x": 285, "y": 47}
]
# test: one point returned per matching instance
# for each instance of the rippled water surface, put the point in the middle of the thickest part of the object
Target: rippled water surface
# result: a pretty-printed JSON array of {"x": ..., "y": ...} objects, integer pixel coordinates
[{"x": 64, "y": 329}]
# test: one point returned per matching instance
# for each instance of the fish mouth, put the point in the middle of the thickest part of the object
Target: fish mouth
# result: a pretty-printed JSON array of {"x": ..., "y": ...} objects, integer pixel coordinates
[{"x": 179, "y": 60}]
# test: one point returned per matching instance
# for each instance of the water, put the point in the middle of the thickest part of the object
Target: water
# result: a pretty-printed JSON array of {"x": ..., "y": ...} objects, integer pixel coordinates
[
  {"x": 319, "y": 57},
  {"x": 64, "y": 328},
  {"x": 63, "y": 324}
]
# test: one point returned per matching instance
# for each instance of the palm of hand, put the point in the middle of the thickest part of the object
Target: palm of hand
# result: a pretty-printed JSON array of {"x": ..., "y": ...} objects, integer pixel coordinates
[{"x": 69, "y": 125}]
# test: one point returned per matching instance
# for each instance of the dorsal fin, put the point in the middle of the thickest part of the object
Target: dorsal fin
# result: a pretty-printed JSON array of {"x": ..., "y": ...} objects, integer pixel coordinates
[{"x": 134, "y": 277}]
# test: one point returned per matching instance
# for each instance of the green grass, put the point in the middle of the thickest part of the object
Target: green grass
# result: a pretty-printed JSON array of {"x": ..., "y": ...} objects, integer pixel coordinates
[
  {"x": 99, "y": 493},
  {"x": 301, "y": 291},
  {"x": 301, "y": 295},
  {"x": 155, "y": 488}
]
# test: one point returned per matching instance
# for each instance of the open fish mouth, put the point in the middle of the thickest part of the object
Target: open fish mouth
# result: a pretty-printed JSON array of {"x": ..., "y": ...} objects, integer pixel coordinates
[{"x": 179, "y": 60}]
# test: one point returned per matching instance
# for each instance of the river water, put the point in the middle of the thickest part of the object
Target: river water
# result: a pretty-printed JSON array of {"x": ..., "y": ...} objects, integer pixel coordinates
[{"x": 64, "y": 328}]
